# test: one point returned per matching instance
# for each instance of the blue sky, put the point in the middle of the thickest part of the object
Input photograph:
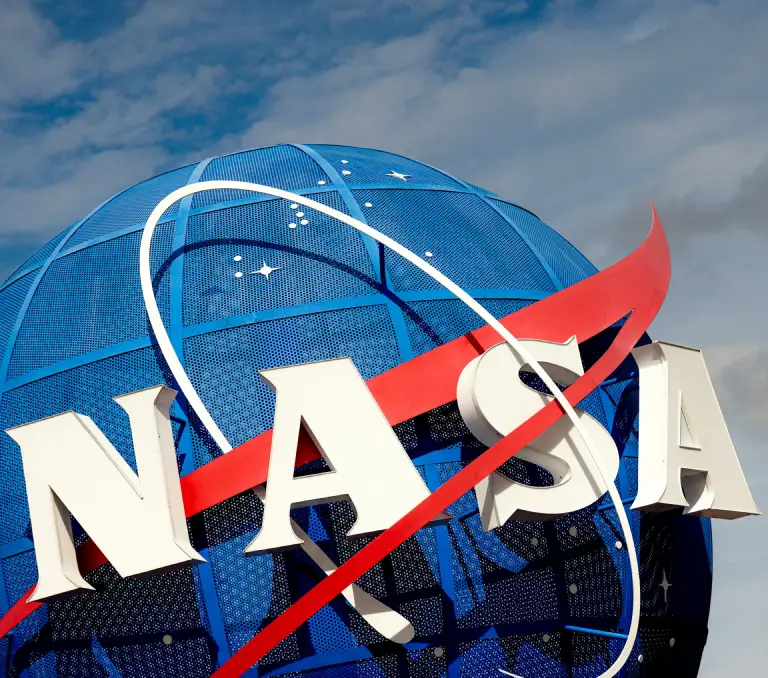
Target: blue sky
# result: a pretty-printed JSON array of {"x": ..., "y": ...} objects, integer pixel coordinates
[{"x": 580, "y": 111}]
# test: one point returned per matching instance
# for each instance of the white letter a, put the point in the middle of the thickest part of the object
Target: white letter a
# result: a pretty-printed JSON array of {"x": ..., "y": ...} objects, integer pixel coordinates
[{"x": 368, "y": 464}]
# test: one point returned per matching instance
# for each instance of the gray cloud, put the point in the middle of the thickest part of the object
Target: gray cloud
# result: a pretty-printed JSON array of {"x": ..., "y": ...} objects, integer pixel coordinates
[
  {"x": 740, "y": 374},
  {"x": 128, "y": 94},
  {"x": 35, "y": 64},
  {"x": 574, "y": 119}
]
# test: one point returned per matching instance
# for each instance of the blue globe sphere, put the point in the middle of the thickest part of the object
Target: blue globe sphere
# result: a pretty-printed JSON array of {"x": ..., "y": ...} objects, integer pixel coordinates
[{"x": 247, "y": 282}]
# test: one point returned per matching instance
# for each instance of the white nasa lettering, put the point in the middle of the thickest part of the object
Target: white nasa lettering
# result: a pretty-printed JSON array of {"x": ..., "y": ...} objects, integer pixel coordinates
[
  {"x": 494, "y": 401},
  {"x": 368, "y": 464},
  {"x": 686, "y": 457},
  {"x": 137, "y": 522}
]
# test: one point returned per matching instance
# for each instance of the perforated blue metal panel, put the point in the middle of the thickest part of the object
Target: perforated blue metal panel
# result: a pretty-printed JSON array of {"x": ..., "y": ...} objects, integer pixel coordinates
[
  {"x": 37, "y": 259},
  {"x": 224, "y": 365},
  {"x": 432, "y": 221},
  {"x": 566, "y": 261},
  {"x": 131, "y": 207},
  {"x": 281, "y": 166},
  {"x": 318, "y": 261},
  {"x": 67, "y": 316},
  {"x": 479, "y": 601},
  {"x": 364, "y": 166},
  {"x": 11, "y": 299}
]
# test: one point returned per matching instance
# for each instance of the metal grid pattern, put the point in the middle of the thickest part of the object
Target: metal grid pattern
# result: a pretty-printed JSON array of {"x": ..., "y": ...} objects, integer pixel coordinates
[
  {"x": 131, "y": 207},
  {"x": 224, "y": 365},
  {"x": 11, "y": 299},
  {"x": 66, "y": 319},
  {"x": 364, "y": 166},
  {"x": 281, "y": 166},
  {"x": 432, "y": 221},
  {"x": 41, "y": 255},
  {"x": 566, "y": 261},
  {"x": 478, "y": 601},
  {"x": 260, "y": 233}
]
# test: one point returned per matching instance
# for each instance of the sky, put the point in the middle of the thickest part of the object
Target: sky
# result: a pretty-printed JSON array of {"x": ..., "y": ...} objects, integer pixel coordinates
[{"x": 581, "y": 111}]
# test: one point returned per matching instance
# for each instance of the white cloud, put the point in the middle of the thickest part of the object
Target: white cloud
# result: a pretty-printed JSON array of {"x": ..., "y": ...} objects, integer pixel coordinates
[
  {"x": 34, "y": 63},
  {"x": 567, "y": 119},
  {"x": 64, "y": 201}
]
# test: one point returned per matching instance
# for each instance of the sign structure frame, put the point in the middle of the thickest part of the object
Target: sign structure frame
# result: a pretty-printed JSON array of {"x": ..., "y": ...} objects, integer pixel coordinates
[{"x": 427, "y": 382}]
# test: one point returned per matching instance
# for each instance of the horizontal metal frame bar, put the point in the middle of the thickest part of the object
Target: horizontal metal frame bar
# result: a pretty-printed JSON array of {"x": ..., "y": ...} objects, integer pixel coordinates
[
  {"x": 597, "y": 632},
  {"x": 259, "y": 317},
  {"x": 611, "y": 507},
  {"x": 14, "y": 548},
  {"x": 215, "y": 207},
  {"x": 354, "y": 654}
]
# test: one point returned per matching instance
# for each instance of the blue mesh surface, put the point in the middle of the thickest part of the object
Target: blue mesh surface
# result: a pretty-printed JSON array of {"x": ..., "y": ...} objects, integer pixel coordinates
[
  {"x": 39, "y": 257},
  {"x": 132, "y": 206},
  {"x": 65, "y": 318},
  {"x": 281, "y": 166},
  {"x": 320, "y": 250},
  {"x": 373, "y": 167},
  {"x": 478, "y": 601},
  {"x": 11, "y": 300},
  {"x": 568, "y": 264},
  {"x": 224, "y": 365},
  {"x": 480, "y": 190},
  {"x": 431, "y": 221}
]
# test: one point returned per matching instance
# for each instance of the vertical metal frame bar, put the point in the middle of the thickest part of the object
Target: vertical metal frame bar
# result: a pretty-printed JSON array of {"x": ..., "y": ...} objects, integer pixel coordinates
[{"x": 203, "y": 572}]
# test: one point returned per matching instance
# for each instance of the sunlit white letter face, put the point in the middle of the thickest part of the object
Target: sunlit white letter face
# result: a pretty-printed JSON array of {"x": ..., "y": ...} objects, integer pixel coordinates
[
  {"x": 686, "y": 457},
  {"x": 368, "y": 464},
  {"x": 137, "y": 522},
  {"x": 494, "y": 401}
]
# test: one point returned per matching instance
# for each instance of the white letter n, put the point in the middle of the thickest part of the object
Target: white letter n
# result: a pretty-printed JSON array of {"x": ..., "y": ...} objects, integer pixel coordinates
[{"x": 137, "y": 522}]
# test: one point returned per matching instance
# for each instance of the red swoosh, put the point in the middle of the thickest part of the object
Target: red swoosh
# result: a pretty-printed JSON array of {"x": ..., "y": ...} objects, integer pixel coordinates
[{"x": 637, "y": 284}]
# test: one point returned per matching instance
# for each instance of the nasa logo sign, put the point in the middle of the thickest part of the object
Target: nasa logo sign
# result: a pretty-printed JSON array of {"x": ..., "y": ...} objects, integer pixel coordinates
[{"x": 518, "y": 382}]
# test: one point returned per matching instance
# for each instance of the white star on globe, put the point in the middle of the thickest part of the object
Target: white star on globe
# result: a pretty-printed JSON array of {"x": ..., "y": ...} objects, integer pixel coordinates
[
  {"x": 665, "y": 584},
  {"x": 266, "y": 270},
  {"x": 399, "y": 175}
]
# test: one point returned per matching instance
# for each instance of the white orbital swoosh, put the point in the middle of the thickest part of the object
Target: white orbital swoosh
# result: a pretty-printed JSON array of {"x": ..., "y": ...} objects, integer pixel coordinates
[{"x": 177, "y": 369}]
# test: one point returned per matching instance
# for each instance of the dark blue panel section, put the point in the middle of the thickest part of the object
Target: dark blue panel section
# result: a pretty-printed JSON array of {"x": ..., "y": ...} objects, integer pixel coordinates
[
  {"x": 523, "y": 655},
  {"x": 320, "y": 260},
  {"x": 283, "y": 167},
  {"x": 365, "y": 166},
  {"x": 165, "y": 635},
  {"x": 436, "y": 222},
  {"x": 132, "y": 206},
  {"x": 20, "y": 573},
  {"x": 67, "y": 316}
]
